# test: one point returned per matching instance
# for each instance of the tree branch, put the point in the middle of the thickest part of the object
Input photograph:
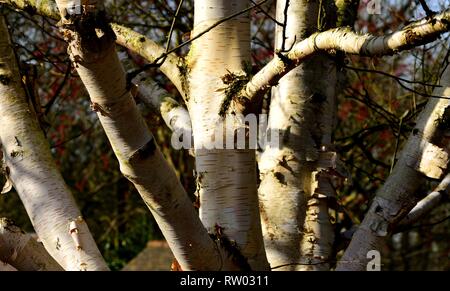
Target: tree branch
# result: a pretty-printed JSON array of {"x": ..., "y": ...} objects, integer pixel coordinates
[
  {"x": 422, "y": 208},
  {"x": 427, "y": 204},
  {"x": 344, "y": 39},
  {"x": 126, "y": 37},
  {"x": 172, "y": 26},
  {"x": 150, "y": 51},
  {"x": 157, "y": 99},
  {"x": 425, "y": 7}
]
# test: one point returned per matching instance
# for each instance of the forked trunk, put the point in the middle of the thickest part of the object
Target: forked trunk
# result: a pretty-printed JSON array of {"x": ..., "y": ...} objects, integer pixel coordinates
[
  {"x": 294, "y": 186},
  {"x": 23, "y": 251}
]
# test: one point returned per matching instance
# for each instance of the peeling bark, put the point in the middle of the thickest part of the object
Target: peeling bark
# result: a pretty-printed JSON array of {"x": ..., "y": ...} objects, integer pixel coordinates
[
  {"x": 345, "y": 40},
  {"x": 34, "y": 174},
  {"x": 157, "y": 99},
  {"x": 150, "y": 50},
  {"x": 342, "y": 38}
]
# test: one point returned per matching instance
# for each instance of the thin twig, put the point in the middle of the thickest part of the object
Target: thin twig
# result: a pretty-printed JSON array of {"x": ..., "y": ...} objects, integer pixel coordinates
[
  {"x": 397, "y": 141},
  {"x": 364, "y": 131},
  {"x": 399, "y": 81},
  {"x": 391, "y": 76},
  {"x": 173, "y": 25},
  {"x": 427, "y": 10},
  {"x": 58, "y": 91},
  {"x": 301, "y": 264},
  {"x": 319, "y": 16},
  {"x": 268, "y": 15},
  {"x": 421, "y": 93}
]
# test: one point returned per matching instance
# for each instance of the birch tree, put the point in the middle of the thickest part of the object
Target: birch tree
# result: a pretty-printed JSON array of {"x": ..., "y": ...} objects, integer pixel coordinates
[
  {"x": 281, "y": 221},
  {"x": 29, "y": 165},
  {"x": 293, "y": 191}
]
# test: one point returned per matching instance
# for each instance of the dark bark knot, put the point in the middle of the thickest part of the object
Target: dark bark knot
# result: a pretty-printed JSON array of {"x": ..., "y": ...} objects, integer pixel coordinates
[
  {"x": 414, "y": 39},
  {"x": 285, "y": 59},
  {"x": 280, "y": 177},
  {"x": 144, "y": 152},
  {"x": 378, "y": 209},
  {"x": 380, "y": 227},
  {"x": 18, "y": 152},
  {"x": 184, "y": 71},
  {"x": 5, "y": 79},
  {"x": 198, "y": 182},
  {"x": 230, "y": 247}
]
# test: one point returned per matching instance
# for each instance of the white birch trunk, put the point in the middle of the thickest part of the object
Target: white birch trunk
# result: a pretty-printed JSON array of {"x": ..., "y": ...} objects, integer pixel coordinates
[
  {"x": 424, "y": 155},
  {"x": 226, "y": 177},
  {"x": 345, "y": 40},
  {"x": 302, "y": 109},
  {"x": 139, "y": 157},
  {"x": 22, "y": 251},
  {"x": 34, "y": 174},
  {"x": 150, "y": 50}
]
